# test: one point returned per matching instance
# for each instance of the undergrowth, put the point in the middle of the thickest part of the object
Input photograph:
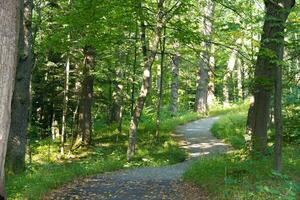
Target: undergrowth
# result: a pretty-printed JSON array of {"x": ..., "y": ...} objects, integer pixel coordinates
[{"x": 238, "y": 176}]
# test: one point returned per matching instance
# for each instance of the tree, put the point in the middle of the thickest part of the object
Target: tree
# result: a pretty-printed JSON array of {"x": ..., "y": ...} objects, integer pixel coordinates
[
  {"x": 15, "y": 158},
  {"x": 205, "y": 60},
  {"x": 146, "y": 83},
  {"x": 86, "y": 100},
  {"x": 175, "y": 79},
  {"x": 9, "y": 34},
  {"x": 270, "y": 54}
]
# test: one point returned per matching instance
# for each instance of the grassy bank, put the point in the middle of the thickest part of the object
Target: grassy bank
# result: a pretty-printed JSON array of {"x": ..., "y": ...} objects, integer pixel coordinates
[{"x": 237, "y": 175}]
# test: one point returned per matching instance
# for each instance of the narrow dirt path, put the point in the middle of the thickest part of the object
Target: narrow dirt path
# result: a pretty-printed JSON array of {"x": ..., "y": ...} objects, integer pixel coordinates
[{"x": 151, "y": 183}]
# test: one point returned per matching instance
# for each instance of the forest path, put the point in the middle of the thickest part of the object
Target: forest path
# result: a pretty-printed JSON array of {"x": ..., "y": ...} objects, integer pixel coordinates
[{"x": 150, "y": 182}]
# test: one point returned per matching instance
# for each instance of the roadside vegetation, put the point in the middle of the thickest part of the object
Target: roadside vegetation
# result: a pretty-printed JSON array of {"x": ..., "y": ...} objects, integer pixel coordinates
[{"x": 237, "y": 175}]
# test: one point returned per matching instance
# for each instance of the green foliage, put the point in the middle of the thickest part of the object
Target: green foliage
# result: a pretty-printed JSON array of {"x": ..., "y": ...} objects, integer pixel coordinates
[{"x": 235, "y": 176}]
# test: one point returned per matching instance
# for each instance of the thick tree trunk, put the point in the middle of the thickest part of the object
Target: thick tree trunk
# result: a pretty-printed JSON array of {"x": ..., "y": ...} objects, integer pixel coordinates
[
  {"x": 205, "y": 61},
  {"x": 175, "y": 80},
  {"x": 85, "y": 116},
  {"x": 272, "y": 42},
  {"x": 9, "y": 34},
  {"x": 278, "y": 118},
  {"x": 146, "y": 84},
  {"x": 16, "y": 151}
]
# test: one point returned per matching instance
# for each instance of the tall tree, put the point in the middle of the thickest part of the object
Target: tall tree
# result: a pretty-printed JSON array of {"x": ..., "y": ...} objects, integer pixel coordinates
[
  {"x": 175, "y": 79},
  {"x": 87, "y": 85},
  {"x": 15, "y": 158},
  {"x": 270, "y": 54},
  {"x": 9, "y": 34},
  {"x": 146, "y": 83},
  {"x": 205, "y": 60}
]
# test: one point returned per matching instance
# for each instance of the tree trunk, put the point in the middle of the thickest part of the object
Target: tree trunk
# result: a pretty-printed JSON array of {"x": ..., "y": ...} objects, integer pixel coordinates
[
  {"x": 16, "y": 151},
  {"x": 9, "y": 34},
  {"x": 239, "y": 80},
  {"x": 160, "y": 78},
  {"x": 204, "y": 61},
  {"x": 175, "y": 80},
  {"x": 87, "y": 95},
  {"x": 272, "y": 42},
  {"x": 230, "y": 67},
  {"x": 278, "y": 118},
  {"x": 146, "y": 83},
  {"x": 65, "y": 107}
]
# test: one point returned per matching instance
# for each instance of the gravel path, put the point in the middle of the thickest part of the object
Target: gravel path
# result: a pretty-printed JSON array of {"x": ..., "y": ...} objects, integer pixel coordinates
[{"x": 151, "y": 183}]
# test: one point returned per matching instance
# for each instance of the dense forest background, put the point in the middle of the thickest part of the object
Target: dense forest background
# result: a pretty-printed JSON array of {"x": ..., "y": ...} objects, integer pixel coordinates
[{"x": 101, "y": 80}]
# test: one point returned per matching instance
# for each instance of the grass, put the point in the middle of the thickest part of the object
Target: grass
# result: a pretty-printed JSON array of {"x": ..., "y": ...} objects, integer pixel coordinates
[
  {"x": 238, "y": 176},
  {"x": 231, "y": 128}
]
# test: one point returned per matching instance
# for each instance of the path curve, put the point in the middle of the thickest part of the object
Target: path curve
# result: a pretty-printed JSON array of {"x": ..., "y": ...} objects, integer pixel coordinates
[{"x": 151, "y": 183}]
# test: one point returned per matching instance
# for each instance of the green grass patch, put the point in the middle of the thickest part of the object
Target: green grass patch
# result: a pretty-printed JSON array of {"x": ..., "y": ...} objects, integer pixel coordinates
[
  {"x": 235, "y": 176},
  {"x": 231, "y": 128}
]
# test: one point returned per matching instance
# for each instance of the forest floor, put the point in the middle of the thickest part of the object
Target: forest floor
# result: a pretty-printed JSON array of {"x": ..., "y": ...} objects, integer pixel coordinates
[{"x": 149, "y": 182}]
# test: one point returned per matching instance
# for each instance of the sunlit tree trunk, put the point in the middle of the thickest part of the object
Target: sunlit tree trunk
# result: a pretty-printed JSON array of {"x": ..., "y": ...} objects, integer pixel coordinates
[
  {"x": 175, "y": 79},
  {"x": 270, "y": 54},
  {"x": 65, "y": 106},
  {"x": 205, "y": 60},
  {"x": 16, "y": 151},
  {"x": 239, "y": 79},
  {"x": 228, "y": 74},
  {"x": 9, "y": 34},
  {"x": 146, "y": 83}
]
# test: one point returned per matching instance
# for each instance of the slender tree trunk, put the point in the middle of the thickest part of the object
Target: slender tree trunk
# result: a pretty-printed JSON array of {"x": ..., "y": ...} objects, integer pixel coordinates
[
  {"x": 87, "y": 96},
  {"x": 269, "y": 56},
  {"x": 175, "y": 80},
  {"x": 230, "y": 67},
  {"x": 146, "y": 84},
  {"x": 65, "y": 107},
  {"x": 160, "y": 78},
  {"x": 9, "y": 34},
  {"x": 120, "y": 97},
  {"x": 239, "y": 80},
  {"x": 134, "y": 71},
  {"x": 205, "y": 61},
  {"x": 16, "y": 151}
]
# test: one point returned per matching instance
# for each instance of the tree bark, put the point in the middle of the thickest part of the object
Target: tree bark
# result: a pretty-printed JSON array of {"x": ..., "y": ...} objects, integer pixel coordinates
[
  {"x": 65, "y": 107},
  {"x": 160, "y": 78},
  {"x": 278, "y": 116},
  {"x": 204, "y": 61},
  {"x": 146, "y": 83},
  {"x": 85, "y": 116},
  {"x": 16, "y": 151},
  {"x": 272, "y": 42},
  {"x": 230, "y": 67},
  {"x": 9, "y": 34},
  {"x": 175, "y": 80}
]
